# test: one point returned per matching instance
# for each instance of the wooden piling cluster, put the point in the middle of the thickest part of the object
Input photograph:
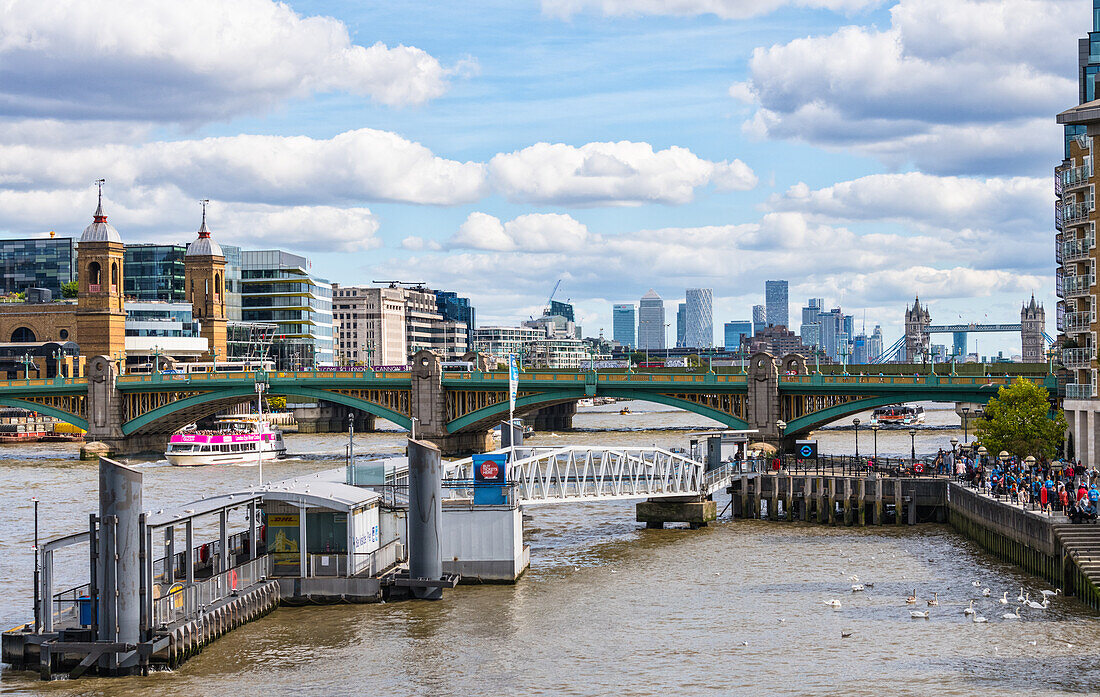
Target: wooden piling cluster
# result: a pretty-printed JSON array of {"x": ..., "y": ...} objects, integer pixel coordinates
[{"x": 831, "y": 499}]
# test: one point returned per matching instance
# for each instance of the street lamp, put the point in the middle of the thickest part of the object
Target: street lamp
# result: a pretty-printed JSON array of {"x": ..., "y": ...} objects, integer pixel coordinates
[
  {"x": 982, "y": 452},
  {"x": 855, "y": 422},
  {"x": 913, "y": 444},
  {"x": 781, "y": 426},
  {"x": 954, "y": 454},
  {"x": 874, "y": 430},
  {"x": 966, "y": 424}
]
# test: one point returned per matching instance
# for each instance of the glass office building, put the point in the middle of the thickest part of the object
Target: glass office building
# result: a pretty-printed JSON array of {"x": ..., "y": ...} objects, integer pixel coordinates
[
  {"x": 49, "y": 262},
  {"x": 735, "y": 331},
  {"x": 278, "y": 288},
  {"x": 699, "y": 318},
  {"x": 624, "y": 321},
  {"x": 457, "y": 309},
  {"x": 232, "y": 282},
  {"x": 154, "y": 272}
]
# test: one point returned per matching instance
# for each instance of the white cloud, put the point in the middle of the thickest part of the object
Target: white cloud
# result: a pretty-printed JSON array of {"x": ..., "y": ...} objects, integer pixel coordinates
[
  {"x": 416, "y": 243},
  {"x": 535, "y": 232},
  {"x": 622, "y": 173},
  {"x": 926, "y": 201},
  {"x": 192, "y": 61},
  {"x": 355, "y": 166},
  {"x": 946, "y": 81},
  {"x": 165, "y": 214},
  {"x": 726, "y": 9}
]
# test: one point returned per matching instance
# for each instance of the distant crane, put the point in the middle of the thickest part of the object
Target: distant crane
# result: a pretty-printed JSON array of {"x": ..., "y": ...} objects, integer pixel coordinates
[
  {"x": 550, "y": 300},
  {"x": 412, "y": 285}
]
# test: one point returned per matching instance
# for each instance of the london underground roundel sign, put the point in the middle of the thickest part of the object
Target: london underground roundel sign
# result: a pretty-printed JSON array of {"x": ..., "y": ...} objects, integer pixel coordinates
[{"x": 806, "y": 450}]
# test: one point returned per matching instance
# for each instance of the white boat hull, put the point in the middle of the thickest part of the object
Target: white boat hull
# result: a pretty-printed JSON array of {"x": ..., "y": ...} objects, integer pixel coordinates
[{"x": 199, "y": 459}]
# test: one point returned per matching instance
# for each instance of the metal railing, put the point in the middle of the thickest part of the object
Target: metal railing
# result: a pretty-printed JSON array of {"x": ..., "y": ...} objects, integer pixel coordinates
[
  {"x": 1075, "y": 176},
  {"x": 366, "y": 564},
  {"x": 181, "y": 601},
  {"x": 1077, "y": 285},
  {"x": 65, "y": 606},
  {"x": 1075, "y": 250},
  {"x": 1078, "y": 321},
  {"x": 1079, "y": 391},
  {"x": 1078, "y": 357},
  {"x": 1076, "y": 213}
]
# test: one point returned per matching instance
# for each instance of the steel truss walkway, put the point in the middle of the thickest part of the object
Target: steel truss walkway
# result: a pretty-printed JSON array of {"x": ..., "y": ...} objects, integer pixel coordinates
[{"x": 543, "y": 475}]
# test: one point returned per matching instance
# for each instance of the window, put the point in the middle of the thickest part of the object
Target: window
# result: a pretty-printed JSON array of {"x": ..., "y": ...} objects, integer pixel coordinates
[
  {"x": 114, "y": 274},
  {"x": 93, "y": 273},
  {"x": 23, "y": 334}
]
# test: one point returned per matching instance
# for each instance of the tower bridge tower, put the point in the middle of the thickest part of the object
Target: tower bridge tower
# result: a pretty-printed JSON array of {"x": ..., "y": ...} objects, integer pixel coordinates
[
  {"x": 917, "y": 343},
  {"x": 1032, "y": 325}
]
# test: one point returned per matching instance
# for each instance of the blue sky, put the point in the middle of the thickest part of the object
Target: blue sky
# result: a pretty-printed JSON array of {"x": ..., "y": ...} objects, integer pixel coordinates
[{"x": 865, "y": 150}]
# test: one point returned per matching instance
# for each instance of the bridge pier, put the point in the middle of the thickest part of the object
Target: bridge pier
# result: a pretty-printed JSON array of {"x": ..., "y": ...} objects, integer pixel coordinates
[
  {"x": 557, "y": 417},
  {"x": 429, "y": 408},
  {"x": 694, "y": 511},
  {"x": 328, "y": 417}
]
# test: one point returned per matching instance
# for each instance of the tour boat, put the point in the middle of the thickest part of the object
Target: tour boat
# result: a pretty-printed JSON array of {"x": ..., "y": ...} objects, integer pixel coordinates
[
  {"x": 898, "y": 415},
  {"x": 235, "y": 442}
]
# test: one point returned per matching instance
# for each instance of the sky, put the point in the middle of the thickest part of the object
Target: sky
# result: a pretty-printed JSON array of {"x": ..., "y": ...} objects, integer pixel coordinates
[{"x": 865, "y": 150}]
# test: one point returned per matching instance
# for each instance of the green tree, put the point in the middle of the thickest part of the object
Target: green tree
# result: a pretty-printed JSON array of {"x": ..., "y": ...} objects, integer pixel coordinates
[
  {"x": 637, "y": 357},
  {"x": 1019, "y": 421},
  {"x": 693, "y": 360},
  {"x": 69, "y": 290},
  {"x": 276, "y": 403}
]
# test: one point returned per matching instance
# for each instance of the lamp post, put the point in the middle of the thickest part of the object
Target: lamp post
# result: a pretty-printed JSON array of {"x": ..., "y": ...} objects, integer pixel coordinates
[
  {"x": 780, "y": 426},
  {"x": 855, "y": 423},
  {"x": 954, "y": 454},
  {"x": 874, "y": 430},
  {"x": 913, "y": 444},
  {"x": 966, "y": 424},
  {"x": 260, "y": 387}
]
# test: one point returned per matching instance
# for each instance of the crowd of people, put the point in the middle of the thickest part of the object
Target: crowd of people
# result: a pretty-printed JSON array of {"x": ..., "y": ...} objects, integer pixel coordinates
[{"x": 1049, "y": 486}]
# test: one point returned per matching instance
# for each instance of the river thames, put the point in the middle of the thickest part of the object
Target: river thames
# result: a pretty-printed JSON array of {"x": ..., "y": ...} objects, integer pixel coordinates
[{"x": 607, "y": 608}]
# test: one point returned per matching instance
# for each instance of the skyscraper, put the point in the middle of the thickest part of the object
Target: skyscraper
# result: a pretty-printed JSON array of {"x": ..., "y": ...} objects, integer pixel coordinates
[
  {"x": 775, "y": 300},
  {"x": 759, "y": 318},
  {"x": 681, "y": 324},
  {"x": 874, "y": 345},
  {"x": 623, "y": 323},
  {"x": 700, "y": 318},
  {"x": 651, "y": 321},
  {"x": 810, "y": 329}
]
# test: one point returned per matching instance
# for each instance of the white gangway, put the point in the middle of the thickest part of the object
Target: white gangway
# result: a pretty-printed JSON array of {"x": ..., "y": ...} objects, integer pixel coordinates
[{"x": 543, "y": 475}]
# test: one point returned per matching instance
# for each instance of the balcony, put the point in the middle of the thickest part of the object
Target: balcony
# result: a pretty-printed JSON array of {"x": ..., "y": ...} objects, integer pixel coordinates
[
  {"x": 1076, "y": 322},
  {"x": 1075, "y": 286},
  {"x": 1058, "y": 222},
  {"x": 1076, "y": 213},
  {"x": 1075, "y": 177},
  {"x": 94, "y": 287},
  {"x": 1075, "y": 250},
  {"x": 1079, "y": 391},
  {"x": 1075, "y": 358}
]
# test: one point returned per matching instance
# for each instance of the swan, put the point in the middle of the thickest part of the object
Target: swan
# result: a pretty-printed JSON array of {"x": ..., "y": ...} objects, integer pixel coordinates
[
  {"x": 918, "y": 615},
  {"x": 854, "y": 579},
  {"x": 978, "y": 619},
  {"x": 912, "y": 597},
  {"x": 1004, "y": 598},
  {"x": 1050, "y": 594},
  {"x": 986, "y": 592},
  {"x": 857, "y": 588},
  {"x": 1015, "y": 615},
  {"x": 935, "y": 600},
  {"x": 833, "y": 603},
  {"x": 970, "y": 610},
  {"x": 976, "y": 584},
  {"x": 1038, "y": 606},
  {"x": 1020, "y": 598}
]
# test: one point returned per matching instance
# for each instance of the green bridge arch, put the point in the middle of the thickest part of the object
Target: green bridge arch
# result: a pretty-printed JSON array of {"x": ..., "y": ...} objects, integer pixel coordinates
[
  {"x": 489, "y": 416},
  {"x": 59, "y": 414},
  {"x": 174, "y": 415},
  {"x": 809, "y": 422}
]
